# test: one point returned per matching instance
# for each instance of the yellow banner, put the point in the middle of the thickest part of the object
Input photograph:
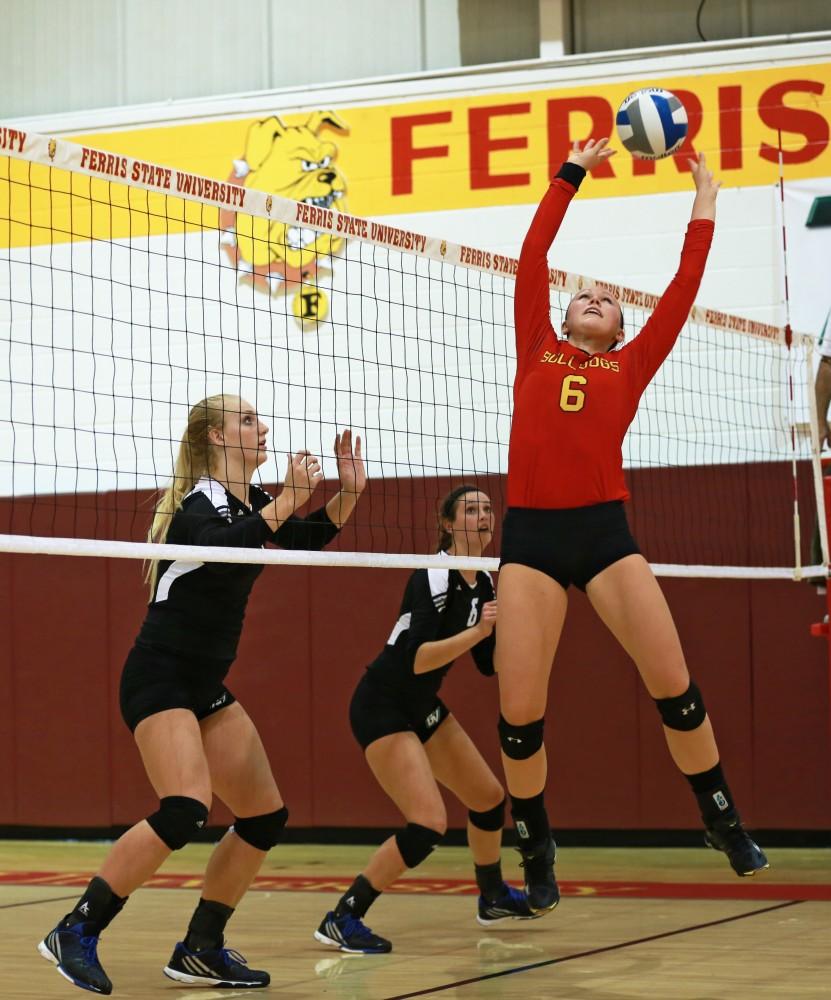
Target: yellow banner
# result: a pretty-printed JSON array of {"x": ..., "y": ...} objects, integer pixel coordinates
[
  {"x": 469, "y": 152},
  {"x": 501, "y": 149}
]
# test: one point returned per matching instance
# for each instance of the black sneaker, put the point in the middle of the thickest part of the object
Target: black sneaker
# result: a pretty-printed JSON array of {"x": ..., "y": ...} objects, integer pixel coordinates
[
  {"x": 350, "y": 934},
  {"x": 221, "y": 967},
  {"x": 540, "y": 884},
  {"x": 745, "y": 855},
  {"x": 74, "y": 951},
  {"x": 511, "y": 905}
]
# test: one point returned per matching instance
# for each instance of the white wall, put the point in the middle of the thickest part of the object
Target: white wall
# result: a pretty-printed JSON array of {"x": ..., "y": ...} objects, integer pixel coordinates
[
  {"x": 636, "y": 241},
  {"x": 63, "y": 55},
  {"x": 809, "y": 257},
  {"x": 108, "y": 345}
]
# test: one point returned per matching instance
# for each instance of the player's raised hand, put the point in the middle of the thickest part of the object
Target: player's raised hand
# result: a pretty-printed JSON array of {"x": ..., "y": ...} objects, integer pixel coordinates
[
  {"x": 351, "y": 469},
  {"x": 706, "y": 189},
  {"x": 592, "y": 154},
  {"x": 703, "y": 176},
  {"x": 303, "y": 476}
]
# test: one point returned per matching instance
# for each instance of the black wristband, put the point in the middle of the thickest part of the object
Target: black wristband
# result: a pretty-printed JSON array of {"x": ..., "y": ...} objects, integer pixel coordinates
[{"x": 572, "y": 173}]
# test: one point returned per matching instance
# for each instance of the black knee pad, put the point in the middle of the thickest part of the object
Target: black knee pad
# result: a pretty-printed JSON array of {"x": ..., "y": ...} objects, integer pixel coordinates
[
  {"x": 415, "y": 842},
  {"x": 520, "y": 742},
  {"x": 490, "y": 820},
  {"x": 683, "y": 712},
  {"x": 178, "y": 820},
  {"x": 262, "y": 832}
]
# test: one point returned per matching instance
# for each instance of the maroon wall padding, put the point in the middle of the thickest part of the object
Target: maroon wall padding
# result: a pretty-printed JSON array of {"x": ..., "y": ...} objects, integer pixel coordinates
[
  {"x": 275, "y": 666},
  {"x": 8, "y": 685},
  {"x": 69, "y": 622},
  {"x": 790, "y": 697}
]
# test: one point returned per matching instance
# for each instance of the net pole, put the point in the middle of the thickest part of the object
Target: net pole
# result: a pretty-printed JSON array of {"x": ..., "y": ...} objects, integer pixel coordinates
[{"x": 791, "y": 401}]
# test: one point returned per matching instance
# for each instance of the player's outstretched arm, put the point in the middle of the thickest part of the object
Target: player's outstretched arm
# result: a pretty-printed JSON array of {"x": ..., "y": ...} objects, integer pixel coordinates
[
  {"x": 822, "y": 389},
  {"x": 706, "y": 190},
  {"x": 532, "y": 306},
  {"x": 658, "y": 335}
]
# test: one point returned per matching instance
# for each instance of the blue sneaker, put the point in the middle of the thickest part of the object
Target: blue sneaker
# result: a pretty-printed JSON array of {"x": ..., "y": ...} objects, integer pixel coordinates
[
  {"x": 73, "y": 950},
  {"x": 743, "y": 853},
  {"x": 511, "y": 905},
  {"x": 222, "y": 967},
  {"x": 348, "y": 933},
  {"x": 540, "y": 883}
]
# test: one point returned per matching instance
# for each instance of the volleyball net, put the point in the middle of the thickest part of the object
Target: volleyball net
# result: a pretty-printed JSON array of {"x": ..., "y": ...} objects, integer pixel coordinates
[{"x": 131, "y": 290}]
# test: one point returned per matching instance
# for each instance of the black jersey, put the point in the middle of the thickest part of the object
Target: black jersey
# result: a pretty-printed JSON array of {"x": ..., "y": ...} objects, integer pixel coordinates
[
  {"x": 437, "y": 603},
  {"x": 199, "y": 607}
]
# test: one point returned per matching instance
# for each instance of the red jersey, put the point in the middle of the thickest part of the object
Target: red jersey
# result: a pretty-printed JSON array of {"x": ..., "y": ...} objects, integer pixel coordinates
[{"x": 572, "y": 409}]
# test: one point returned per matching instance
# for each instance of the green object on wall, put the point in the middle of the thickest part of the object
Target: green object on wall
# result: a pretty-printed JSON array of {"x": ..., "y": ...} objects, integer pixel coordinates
[{"x": 820, "y": 212}]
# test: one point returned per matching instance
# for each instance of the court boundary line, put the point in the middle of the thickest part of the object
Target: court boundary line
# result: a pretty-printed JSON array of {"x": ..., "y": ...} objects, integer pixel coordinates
[
  {"x": 35, "y": 902},
  {"x": 745, "y": 890},
  {"x": 593, "y": 951}
]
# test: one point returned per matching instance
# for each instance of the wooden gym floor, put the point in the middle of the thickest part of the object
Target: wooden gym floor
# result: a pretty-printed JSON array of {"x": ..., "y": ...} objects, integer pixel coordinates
[{"x": 664, "y": 924}]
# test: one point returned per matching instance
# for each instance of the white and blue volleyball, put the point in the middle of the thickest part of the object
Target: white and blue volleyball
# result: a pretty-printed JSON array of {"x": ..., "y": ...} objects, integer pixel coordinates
[{"x": 652, "y": 123}]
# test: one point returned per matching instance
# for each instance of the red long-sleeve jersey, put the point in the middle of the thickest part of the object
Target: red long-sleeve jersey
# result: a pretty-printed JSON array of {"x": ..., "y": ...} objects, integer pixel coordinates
[{"x": 572, "y": 409}]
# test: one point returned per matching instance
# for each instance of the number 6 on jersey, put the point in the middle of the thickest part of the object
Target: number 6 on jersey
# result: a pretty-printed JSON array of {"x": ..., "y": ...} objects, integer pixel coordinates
[{"x": 572, "y": 399}]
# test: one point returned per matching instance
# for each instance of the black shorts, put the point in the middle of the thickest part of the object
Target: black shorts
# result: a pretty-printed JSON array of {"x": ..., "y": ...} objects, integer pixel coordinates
[
  {"x": 375, "y": 712},
  {"x": 571, "y": 545},
  {"x": 155, "y": 679}
]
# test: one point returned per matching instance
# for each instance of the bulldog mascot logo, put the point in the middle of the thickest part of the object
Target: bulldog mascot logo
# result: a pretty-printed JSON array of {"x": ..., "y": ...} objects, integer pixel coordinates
[{"x": 291, "y": 161}]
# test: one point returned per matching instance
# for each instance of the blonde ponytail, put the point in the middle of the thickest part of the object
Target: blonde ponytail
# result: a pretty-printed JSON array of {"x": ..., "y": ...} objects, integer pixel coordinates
[{"x": 192, "y": 462}]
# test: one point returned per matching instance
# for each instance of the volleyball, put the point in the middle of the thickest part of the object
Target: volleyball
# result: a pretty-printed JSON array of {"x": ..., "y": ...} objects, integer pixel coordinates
[{"x": 651, "y": 123}]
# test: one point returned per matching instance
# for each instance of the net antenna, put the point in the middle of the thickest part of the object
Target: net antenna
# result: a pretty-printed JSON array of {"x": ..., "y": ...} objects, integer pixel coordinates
[{"x": 130, "y": 290}]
